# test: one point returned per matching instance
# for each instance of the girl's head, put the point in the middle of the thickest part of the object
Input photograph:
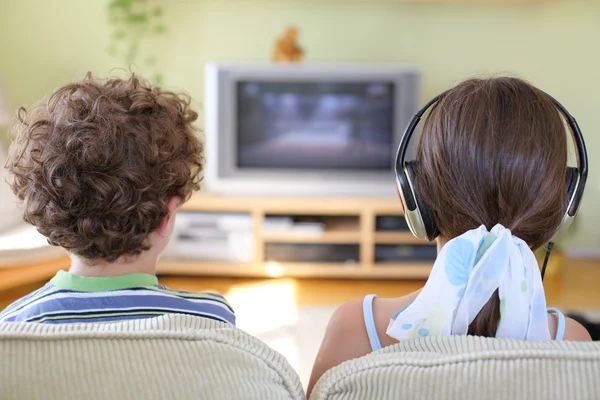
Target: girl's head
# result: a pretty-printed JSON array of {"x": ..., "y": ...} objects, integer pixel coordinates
[
  {"x": 494, "y": 151},
  {"x": 101, "y": 166}
]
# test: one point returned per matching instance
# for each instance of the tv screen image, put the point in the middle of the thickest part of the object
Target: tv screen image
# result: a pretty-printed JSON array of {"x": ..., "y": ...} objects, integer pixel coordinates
[{"x": 315, "y": 125}]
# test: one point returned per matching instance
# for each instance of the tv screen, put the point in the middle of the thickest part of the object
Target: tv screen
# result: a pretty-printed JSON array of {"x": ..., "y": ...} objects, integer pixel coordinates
[{"x": 315, "y": 125}]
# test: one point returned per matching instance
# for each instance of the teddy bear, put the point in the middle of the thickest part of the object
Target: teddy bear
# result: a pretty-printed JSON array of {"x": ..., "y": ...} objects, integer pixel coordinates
[{"x": 286, "y": 47}]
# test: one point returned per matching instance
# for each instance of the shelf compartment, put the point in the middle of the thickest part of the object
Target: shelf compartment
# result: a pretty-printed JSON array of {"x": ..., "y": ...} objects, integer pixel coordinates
[
  {"x": 311, "y": 253},
  {"x": 391, "y": 223},
  {"x": 332, "y": 229},
  {"x": 392, "y": 253}
]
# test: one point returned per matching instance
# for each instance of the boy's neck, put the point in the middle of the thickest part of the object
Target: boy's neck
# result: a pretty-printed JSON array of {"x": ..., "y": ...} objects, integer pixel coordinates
[{"x": 143, "y": 264}]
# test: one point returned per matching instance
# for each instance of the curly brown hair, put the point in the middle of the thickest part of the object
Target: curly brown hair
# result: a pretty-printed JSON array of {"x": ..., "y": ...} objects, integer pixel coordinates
[{"x": 96, "y": 164}]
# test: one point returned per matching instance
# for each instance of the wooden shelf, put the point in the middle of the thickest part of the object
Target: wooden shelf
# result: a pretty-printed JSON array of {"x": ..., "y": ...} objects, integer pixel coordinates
[
  {"x": 293, "y": 205},
  {"x": 345, "y": 221},
  {"x": 337, "y": 230},
  {"x": 397, "y": 238},
  {"x": 299, "y": 270}
]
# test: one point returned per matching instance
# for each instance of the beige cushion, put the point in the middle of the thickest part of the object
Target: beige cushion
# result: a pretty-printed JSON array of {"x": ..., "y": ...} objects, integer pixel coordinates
[
  {"x": 168, "y": 357},
  {"x": 468, "y": 368}
]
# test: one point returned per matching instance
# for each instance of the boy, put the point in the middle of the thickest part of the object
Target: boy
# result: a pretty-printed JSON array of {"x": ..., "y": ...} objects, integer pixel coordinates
[{"x": 100, "y": 169}]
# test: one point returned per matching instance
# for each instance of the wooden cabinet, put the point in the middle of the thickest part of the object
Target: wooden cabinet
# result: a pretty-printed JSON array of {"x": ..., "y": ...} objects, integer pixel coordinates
[{"x": 349, "y": 222}]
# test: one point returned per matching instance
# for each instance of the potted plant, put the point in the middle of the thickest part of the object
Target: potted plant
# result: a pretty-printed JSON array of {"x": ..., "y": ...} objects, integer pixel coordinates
[{"x": 134, "y": 23}]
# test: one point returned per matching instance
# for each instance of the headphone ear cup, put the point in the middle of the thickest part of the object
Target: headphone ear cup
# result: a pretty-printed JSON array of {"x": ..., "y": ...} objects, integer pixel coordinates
[
  {"x": 427, "y": 219},
  {"x": 572, "y": 178}
]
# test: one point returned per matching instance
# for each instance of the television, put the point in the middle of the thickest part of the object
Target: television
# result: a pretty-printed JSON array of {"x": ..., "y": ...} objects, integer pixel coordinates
[{"x": 306, "y": 129}]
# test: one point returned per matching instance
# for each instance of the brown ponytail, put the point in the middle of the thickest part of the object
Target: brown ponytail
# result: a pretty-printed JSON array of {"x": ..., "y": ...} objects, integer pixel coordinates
[{"x": 494, "y": 151}]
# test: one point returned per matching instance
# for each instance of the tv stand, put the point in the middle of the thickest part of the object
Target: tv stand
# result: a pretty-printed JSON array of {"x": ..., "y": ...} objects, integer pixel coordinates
[{"x": 349, "y": 221}]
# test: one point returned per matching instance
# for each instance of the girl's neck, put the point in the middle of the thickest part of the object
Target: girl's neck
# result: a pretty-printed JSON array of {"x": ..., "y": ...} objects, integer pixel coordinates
[{"x": 440, "y": 241}]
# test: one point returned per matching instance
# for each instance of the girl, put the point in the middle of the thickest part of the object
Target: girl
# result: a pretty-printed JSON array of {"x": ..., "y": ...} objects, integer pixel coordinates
[{"x": 491, "y": 167}]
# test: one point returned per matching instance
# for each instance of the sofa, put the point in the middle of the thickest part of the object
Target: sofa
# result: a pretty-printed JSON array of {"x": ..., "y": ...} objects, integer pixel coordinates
[
  {"x": 168, "y": 357},
  {"x": 186, "y": 357},
  {"x": 468, "y": 368}
]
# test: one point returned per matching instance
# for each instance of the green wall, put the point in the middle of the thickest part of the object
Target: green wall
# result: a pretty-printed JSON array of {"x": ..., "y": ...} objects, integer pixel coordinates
[{"x": 555, "y": 45}]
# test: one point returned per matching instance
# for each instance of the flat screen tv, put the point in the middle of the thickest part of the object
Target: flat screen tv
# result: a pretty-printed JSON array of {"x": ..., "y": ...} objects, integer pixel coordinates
[{"x": 306, "y": 129}]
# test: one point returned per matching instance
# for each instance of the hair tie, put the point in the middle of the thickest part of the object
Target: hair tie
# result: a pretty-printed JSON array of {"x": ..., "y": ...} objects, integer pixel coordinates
[{"x": 466, "y": 273}]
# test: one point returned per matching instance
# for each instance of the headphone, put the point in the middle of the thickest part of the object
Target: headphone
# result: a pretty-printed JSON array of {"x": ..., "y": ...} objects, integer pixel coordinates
[{"x": 420, "y": 218}]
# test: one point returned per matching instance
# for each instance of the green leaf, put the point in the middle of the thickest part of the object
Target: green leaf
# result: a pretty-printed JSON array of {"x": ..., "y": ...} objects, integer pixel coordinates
[
  {"x": 160, "y": 28},
  {"x": 123, "y": 4},
  {"x": 138, "y": 18}
]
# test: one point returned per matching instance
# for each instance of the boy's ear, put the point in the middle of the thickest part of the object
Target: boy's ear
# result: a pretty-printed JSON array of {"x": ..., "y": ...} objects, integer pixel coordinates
[
  {"x": 172, "y": 205},
  {"x": 166, "y": 225}
]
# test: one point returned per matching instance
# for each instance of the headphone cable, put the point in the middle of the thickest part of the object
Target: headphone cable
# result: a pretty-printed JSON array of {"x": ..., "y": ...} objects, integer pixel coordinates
[{"x": 548, "y": 251}]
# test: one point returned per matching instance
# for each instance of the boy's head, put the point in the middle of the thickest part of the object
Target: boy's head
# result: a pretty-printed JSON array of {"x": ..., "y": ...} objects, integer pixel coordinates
[{"x": 102, "y": 165}]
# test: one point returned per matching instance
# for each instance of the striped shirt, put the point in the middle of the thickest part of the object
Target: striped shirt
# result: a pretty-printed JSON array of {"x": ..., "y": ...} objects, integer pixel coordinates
[{"x": 70, "y": 298}]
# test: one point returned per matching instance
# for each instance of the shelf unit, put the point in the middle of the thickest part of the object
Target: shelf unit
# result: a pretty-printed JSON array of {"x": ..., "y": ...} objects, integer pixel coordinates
[{"x": 353, "y": 221}]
